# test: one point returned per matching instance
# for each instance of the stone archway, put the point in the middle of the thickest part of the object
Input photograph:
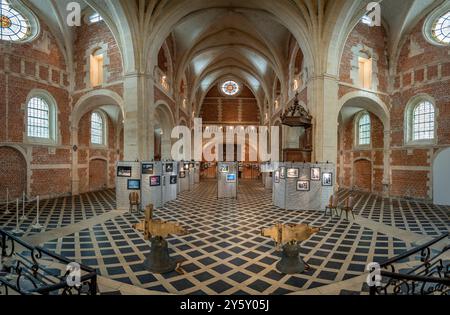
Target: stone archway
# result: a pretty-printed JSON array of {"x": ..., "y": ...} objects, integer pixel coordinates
[
  {"x": 441, "y": 178},
  {"x": 355, "y": 174},
  {"x": 13, "y": 173}
]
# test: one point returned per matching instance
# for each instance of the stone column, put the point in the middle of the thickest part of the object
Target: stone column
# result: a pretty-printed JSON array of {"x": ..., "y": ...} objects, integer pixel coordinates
[
  {"x": 323, "y": 100},
  {"x": 75, "y": 177},
  {"x": 387, "y": 163},
  {"x": 136, "y": 118}
]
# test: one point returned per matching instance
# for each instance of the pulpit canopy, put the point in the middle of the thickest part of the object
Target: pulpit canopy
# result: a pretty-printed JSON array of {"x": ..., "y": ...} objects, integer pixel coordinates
[{"x": 296, "y": 116}]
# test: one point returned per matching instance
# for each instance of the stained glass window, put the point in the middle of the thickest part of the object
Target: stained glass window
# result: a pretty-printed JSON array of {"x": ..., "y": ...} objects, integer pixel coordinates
[
  {"x": 97, "y": 127},
  {"x": 230, "y": 88},
  {"x": 364, "y": 130},
  {"x": 38, "y": 118},
  {"x": 14, "y": 26},
  {"x": 441, "y": 29},
  {"x": 423, "y": 121}
]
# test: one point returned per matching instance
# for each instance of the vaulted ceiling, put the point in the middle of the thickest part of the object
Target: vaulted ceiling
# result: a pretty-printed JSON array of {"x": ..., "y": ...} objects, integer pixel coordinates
[{"x": 247, "y": 40}]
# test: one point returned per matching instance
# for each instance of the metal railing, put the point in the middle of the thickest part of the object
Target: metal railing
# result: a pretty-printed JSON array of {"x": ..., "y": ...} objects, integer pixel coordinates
[
  {"x": 431, "y": 276},
  {"x": 23, "y": 270}
]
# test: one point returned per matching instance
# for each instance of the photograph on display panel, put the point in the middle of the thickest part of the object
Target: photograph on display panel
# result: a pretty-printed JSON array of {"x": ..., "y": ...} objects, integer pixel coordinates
[
  {"x": 155, "y": 181},
  {"x": 293, "y": 173},
  {"x": 169, "y": 167},
  {"x": 124, "y": 171},
  {"x": 282, "y": 172},
  {"x": 147, "y": 169},
  {"x": 315, "y": 173},
  {"x": 303, "y": 185},
  {"x": 327, "y": 179},
  {"x": 134, "y": 184}
]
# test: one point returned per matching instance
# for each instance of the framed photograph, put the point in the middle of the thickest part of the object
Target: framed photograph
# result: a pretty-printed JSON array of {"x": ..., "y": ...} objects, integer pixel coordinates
[
  {"x": 327, "y": 179},
  {"x": 277, "y": 177},
  {"x": 315, "y": 173},
  {"x": 303, "y": 185},
  {"x": 224, "y": 169},
  {"x": 124, "y": 171},
  {"x": 147, "y": 169},
  {"x": 134, "y": 184},
  {"x": 186, "y": 166},
  {"x": 173, "y": 179},
  {"x": 282, "y": 172},
  {"x": 182, "y": 174},
  {"x": 292, "y": 173},
  {"x": 231, "y": 178},
  {"x": 155, "y": 181},
  {"x": 169, "y": 167},
  {"x": 192, "y": 165}
]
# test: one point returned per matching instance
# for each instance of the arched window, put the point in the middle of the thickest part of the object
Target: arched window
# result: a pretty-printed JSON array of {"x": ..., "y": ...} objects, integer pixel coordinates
[
  {"x": 364, "y": 128},
  {"x": 420, "y": 121},
  {"x": 97, "y": 129},
  {"x": 436, "y": 28},
  {"x": 441, "y": 29},
  {"x": 423, "y": 122},
  {"x": 14, "y": 26},
  {"x": 41, "y": 118}
]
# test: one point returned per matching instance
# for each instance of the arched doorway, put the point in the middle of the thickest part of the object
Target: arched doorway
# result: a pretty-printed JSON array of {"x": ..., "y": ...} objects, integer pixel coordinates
[
  {"x": 98, "y": 175},
  {"x": 441, "y": 178},
  {"x": 362, "y": 175},
  {"x": 13, "y": 173}
]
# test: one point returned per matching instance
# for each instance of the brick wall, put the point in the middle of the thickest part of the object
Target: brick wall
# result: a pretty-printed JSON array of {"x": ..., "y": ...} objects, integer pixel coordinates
[
  {"x": 422, "y": 68},
  {"x": 13, "y": 173},
  {"x": 40, "y": 64},
  {"x": 98, "y": 175},
  {"x": 243, "y": 108},
  {"x": 362, "y": 168}
]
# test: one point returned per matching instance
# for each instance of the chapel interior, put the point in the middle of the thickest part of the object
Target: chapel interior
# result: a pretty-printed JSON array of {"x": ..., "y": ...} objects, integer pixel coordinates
[{"x": 90, "y": 92}]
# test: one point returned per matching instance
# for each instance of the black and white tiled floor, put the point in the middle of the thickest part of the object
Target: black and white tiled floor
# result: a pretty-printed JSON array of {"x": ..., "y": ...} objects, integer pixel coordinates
[
  {"x": 411, "y": 215},
  {"x": 224, "y": 252},
  {"x": 59, "y": 212}
]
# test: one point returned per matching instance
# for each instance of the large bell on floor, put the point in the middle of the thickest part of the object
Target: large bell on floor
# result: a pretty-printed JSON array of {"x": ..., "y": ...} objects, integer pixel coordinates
[
  {"x": 290, "y": 262},
  {"x": 159, "y": 261}
]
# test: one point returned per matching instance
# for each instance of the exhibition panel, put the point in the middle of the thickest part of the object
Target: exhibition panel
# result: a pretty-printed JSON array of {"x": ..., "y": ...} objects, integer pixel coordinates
[
  {"x": 227, "y": 180},
  {"x": 300, "y": 186},
  {"x": 128, "y": 180},
  {"x": 152, "y": 173}
]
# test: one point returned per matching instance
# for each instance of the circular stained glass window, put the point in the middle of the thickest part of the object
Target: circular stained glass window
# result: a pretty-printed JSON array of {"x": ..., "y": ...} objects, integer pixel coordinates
[
  {"x": 14, "y": 26},
  {"x": 441, "y": 29},
  {"x": 230, "y": 88}
]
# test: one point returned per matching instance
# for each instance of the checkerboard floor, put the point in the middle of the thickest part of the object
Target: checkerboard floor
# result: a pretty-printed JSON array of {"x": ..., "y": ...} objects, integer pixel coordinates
[
  {"x": 411, "y": 215},
  {"x": 59, "y": 212},
  {"x": 224, "y": 252}
]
